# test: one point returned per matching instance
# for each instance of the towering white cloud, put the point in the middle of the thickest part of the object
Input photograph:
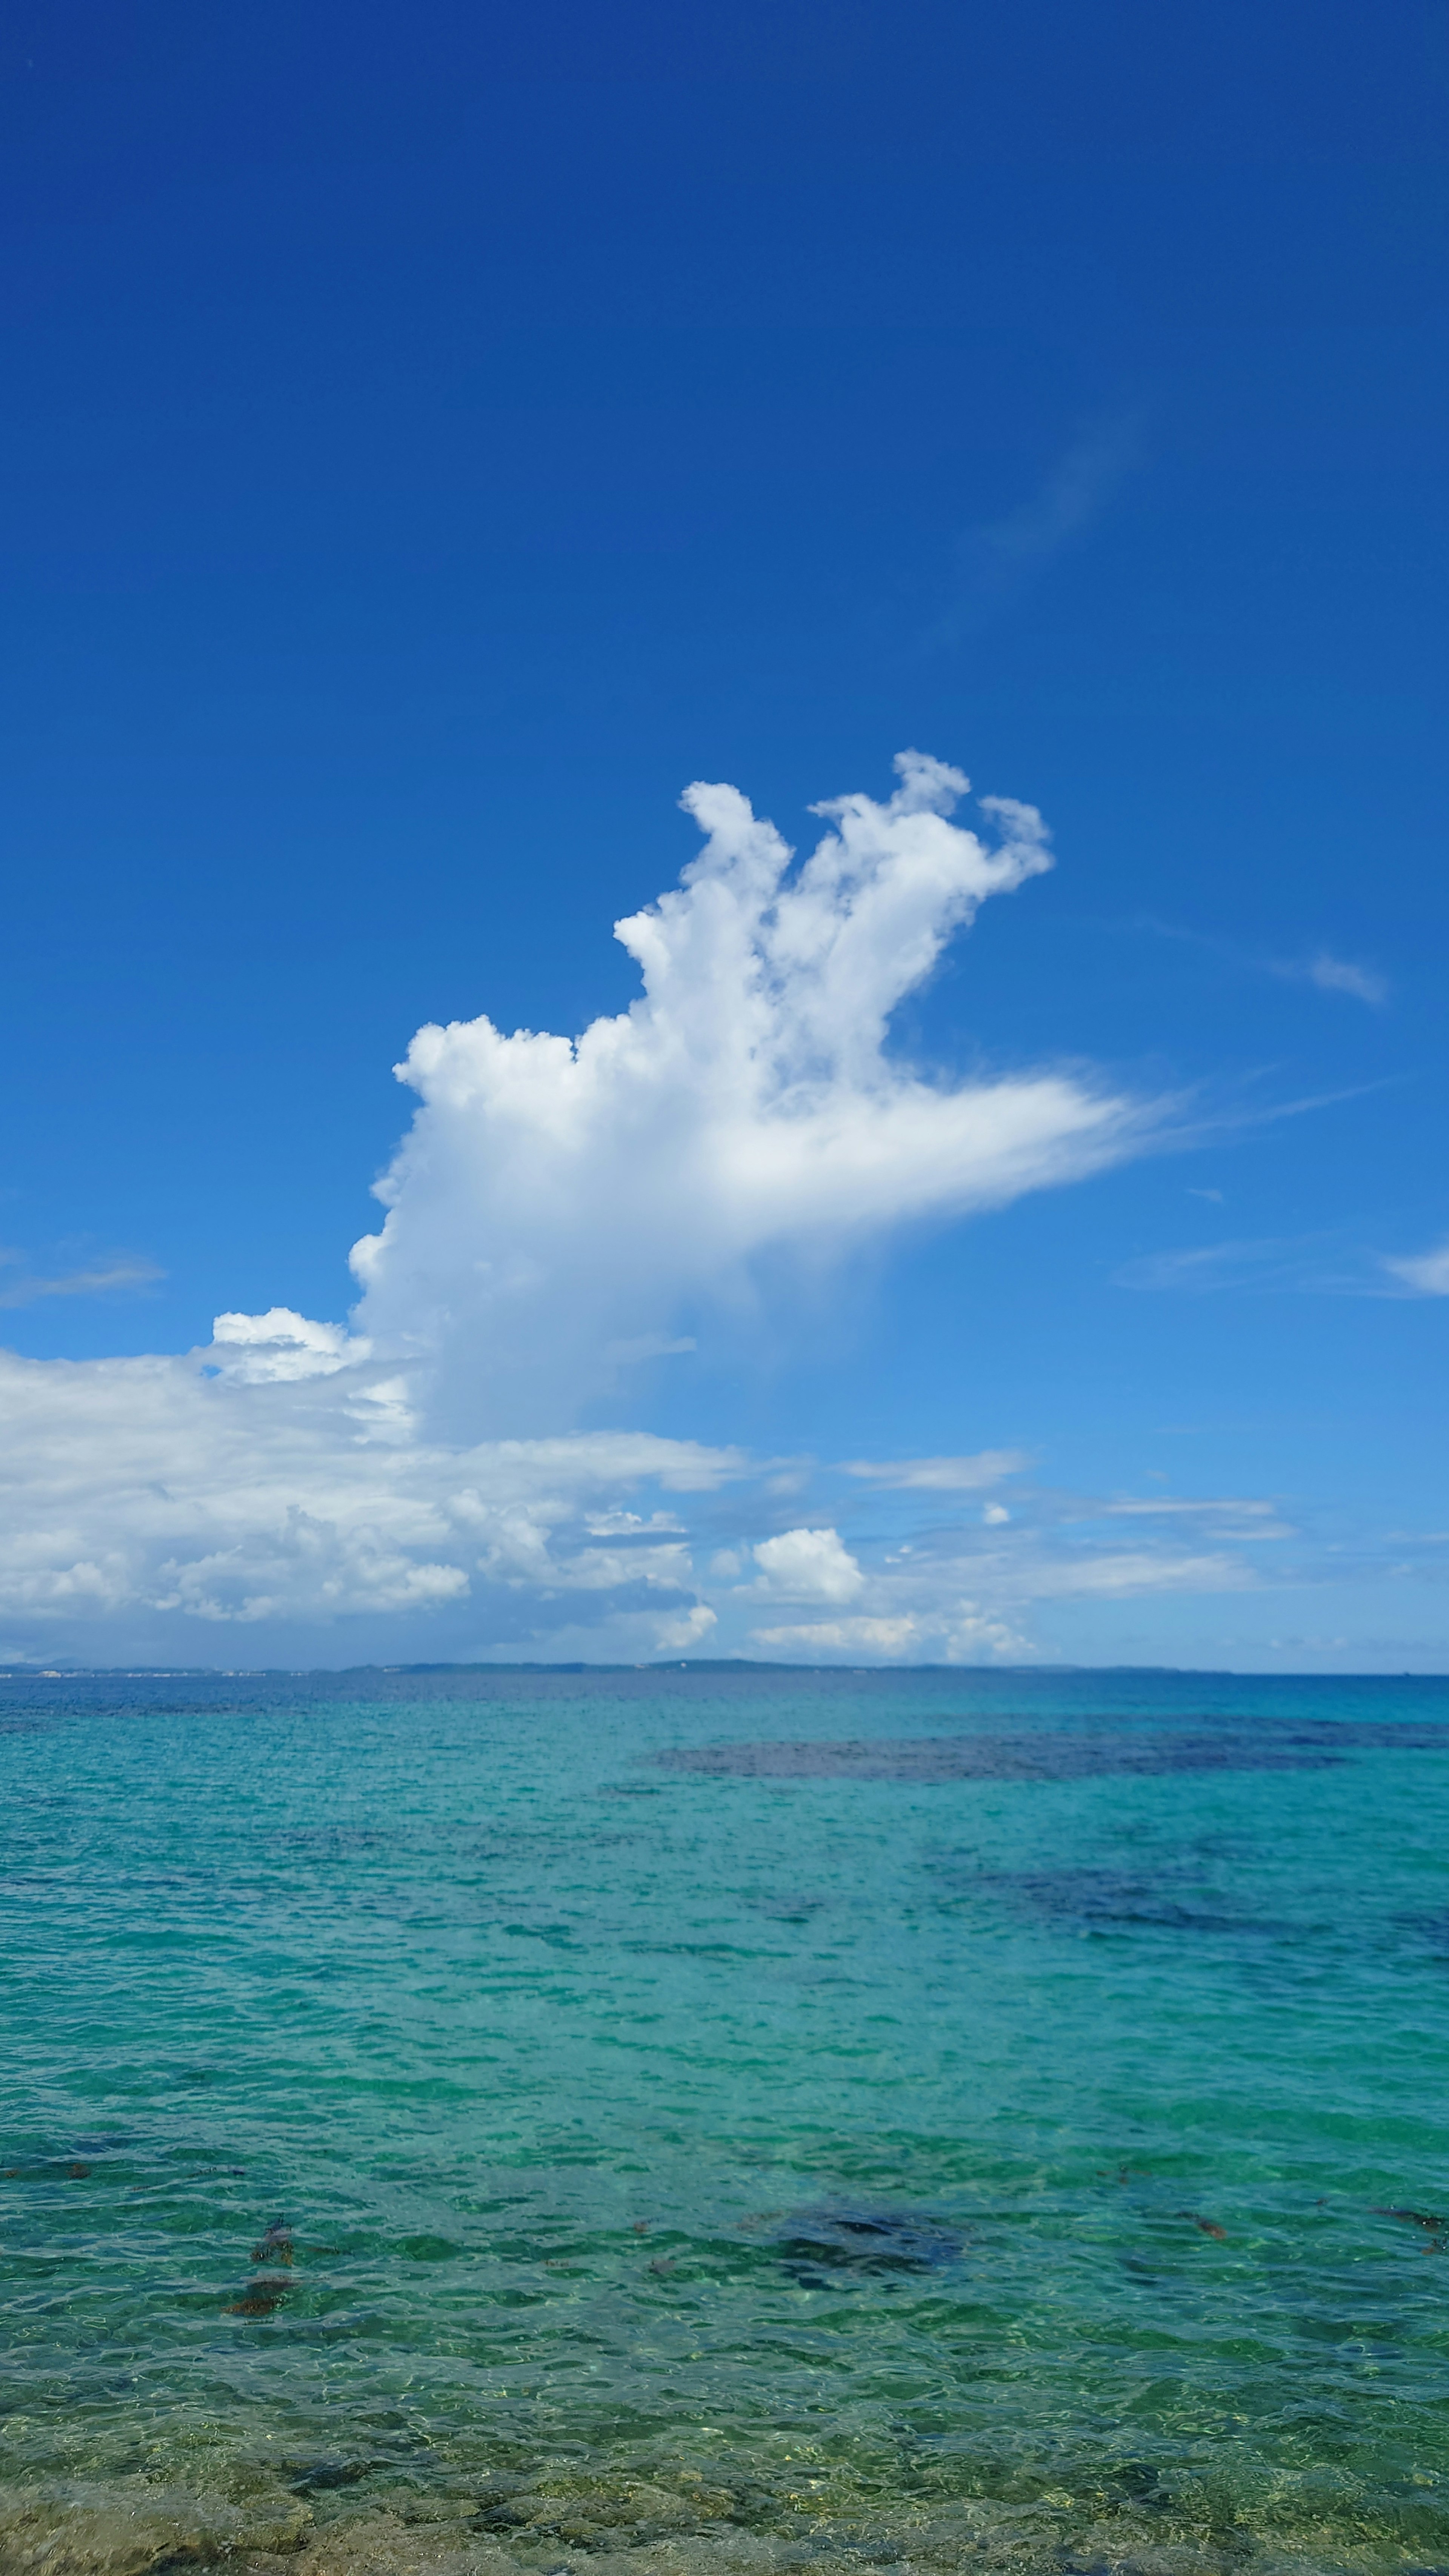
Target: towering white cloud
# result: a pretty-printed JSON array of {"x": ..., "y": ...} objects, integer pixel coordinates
[{"x": 559, "y": 1202}]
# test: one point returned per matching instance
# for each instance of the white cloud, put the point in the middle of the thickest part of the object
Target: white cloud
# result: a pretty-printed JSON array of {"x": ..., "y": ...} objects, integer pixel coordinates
[
  {"x": 136, "y": 1488},
  {"x": 149, "y": 1506},
  {"x": 558, "y": 1200},
  {"x": 1308, "y": 1265},
  {"x": 1139, "y": 1572},
  {"x": 1303, "y": 1265},
  {"x": 1341, "y": 975},
  {"x": 940, "y": 1475},
  {"x": 882, "y": 1640},
  {"x": 254, "y": 1350},
  {"x": 808, "y": 1565},
  {"x": 969, "y": 1600},
  {"x": 1331, "y": 974},
  {"x": 124, "y": 1270},
  {"x": 996, "y": 560},
  {"x": 1426, "y": 1274},
  {"x": 559, "y": 1210},
  {"x": 616, "y": 1524},
  {"x": 647, "y": 1346},
  {"x": 962, "y": 1634},
  {"x": 681, "y": 1635},
  {"x": 1075, "y": 492}
]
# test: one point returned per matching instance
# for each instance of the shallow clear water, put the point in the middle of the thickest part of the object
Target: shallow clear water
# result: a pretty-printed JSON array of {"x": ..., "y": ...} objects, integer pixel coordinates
[{"x": 491, "y": 2118}]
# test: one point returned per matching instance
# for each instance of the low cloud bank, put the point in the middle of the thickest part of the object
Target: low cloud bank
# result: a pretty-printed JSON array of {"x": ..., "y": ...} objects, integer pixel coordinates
[{"x": 164, "y": 1510}]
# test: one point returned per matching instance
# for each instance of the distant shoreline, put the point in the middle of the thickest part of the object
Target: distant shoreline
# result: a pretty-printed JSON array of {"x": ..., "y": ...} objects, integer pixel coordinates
[{"x": 680, "y": 1664}]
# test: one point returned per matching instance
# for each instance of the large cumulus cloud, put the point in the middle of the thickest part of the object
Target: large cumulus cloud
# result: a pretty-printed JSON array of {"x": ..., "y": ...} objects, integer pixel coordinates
[
  {"x": 559, "y": 1201},
  {"x": 423, "y": 1478}
]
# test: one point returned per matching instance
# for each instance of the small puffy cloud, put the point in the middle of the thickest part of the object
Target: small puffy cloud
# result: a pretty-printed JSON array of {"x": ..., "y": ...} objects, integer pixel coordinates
[
  {"x": 995, "y": 1514},
  {"x": 252, "y": 1350},
  {"x": 1424, "y": 1274},
  {"x": 939, "y": 1475},
  {"x": 676, "y": 1636},
  {"x": 808, "y": 1565}
]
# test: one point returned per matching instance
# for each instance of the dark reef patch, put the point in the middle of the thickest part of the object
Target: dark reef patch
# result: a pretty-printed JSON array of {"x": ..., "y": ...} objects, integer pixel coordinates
[
  {"x": 824, "y": 2246},
  {"x": 1064, "y": 1754},
  {"x": 1109, "y": 1899}
]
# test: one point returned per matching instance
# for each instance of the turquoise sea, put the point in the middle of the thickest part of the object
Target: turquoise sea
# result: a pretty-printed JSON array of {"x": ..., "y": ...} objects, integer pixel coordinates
[{"x": 692, "y": 2121}]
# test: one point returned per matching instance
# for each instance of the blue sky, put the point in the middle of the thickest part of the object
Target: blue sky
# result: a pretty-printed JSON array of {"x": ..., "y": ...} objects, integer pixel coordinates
[{"x": 429, "y": 445}]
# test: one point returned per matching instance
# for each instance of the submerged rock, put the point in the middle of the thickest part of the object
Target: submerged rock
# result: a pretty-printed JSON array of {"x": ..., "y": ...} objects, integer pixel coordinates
[
  {"x": 125, "y": 2530},
  {"x": 821, "y": 2246}
]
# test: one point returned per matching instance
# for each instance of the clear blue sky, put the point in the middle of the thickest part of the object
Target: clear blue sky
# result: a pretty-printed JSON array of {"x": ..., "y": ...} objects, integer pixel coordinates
[{"x": 433, "y": 438}]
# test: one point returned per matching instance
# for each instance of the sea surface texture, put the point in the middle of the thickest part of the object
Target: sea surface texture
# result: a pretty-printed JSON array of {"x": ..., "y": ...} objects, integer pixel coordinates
[{"x": 679, "y": 2122}]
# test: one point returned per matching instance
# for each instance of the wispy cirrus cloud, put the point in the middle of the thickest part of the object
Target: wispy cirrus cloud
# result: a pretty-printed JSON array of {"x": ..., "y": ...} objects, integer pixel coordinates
[
  {"x": 1205, "y": 1507},
  {"x": 1300, "y": 1265},
  {"x": 1421, "y": 1274},
  {"x": 1335, "y": 975},
  {"x": 1318, "y": 966},
  {"x": 999, "y": 558},
  {"x": 118, "y": 1273},
  {"x": 939, "y": 1475},
  {"x": 1206, "y": 1269}
]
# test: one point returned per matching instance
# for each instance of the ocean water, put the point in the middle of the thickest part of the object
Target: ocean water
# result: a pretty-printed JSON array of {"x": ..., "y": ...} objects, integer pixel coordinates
[{"x": 681, "y": 2122}]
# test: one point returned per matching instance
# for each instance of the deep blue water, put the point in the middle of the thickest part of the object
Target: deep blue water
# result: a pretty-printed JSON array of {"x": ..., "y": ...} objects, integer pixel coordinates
[{"x": 726, "y": 2118}]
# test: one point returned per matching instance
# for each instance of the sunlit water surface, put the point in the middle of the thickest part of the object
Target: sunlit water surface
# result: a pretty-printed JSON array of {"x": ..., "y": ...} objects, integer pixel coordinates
[{"x": 725, "y": 2121}]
